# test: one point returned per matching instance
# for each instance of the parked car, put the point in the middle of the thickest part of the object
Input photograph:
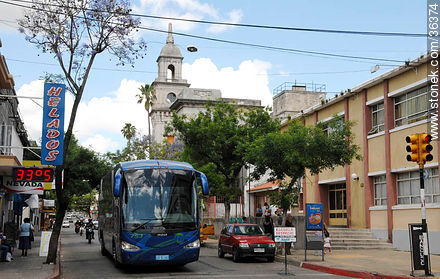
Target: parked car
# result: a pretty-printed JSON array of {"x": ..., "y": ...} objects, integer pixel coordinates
[
  {"x": 245, "y": 240},
  {"x": 66, "y": 224}
]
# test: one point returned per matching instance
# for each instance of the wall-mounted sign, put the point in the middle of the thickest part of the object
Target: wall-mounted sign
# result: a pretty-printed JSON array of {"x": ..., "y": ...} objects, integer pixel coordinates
[
  {"x": 22, "y": 187},
  {"x": 52, "y": 138},
  {"x": 314, "y": 216},
  {"x": 32, "y": 174}
]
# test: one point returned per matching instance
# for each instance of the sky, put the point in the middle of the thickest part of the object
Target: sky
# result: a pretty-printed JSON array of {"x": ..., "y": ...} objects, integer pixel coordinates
[{"x": 239, "y": 71}]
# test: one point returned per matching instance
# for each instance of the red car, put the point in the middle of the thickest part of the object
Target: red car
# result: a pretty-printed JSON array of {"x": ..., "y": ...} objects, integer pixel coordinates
[{"x": 245, "y": 240}]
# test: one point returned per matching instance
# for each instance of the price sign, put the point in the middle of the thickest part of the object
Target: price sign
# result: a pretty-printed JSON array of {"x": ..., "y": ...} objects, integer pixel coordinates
[{"x": 24, "y": 174}]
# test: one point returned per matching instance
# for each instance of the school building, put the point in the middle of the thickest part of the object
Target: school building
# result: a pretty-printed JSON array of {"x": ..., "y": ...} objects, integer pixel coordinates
[{"x": 381, "y": 192}]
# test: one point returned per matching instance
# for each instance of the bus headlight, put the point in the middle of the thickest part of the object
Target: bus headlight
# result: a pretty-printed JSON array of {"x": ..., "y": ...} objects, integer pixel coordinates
[
  {"x": 129, "y": 247},
  {"x": 195, "y": 244}
]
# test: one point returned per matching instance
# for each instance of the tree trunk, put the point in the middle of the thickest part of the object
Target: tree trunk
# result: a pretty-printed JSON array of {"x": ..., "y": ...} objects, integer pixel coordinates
[
  {"x": 227, "y": 211},
  {"x": 59, "y": 217}
]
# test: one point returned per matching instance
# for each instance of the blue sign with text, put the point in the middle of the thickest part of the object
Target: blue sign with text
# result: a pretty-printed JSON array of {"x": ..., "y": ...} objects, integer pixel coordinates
[
  {"x": 314, "y": 216},
  {"x": 52, "y": 138}
]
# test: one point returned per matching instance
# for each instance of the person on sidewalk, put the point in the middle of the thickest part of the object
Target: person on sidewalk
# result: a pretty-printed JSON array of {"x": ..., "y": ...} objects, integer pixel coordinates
[
  {"x": 327, "y": 240},
  {"x": 268, "y": 226},
  {"x": 25, "y": 231},
  {"x": 289, "y": 223}
]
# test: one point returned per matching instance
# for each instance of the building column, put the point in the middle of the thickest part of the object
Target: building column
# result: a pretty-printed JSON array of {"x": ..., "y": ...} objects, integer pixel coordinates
[
  {"x": 347, "y": 171},
  {"x": 366, "y": 115},
  {"x": 390, "y": 179}
]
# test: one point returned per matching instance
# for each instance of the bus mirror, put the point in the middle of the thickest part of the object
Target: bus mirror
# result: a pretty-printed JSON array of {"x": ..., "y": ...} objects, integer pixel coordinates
[
  {"x": 205, "y": 188},
  {"x": 117, "y": 186}
]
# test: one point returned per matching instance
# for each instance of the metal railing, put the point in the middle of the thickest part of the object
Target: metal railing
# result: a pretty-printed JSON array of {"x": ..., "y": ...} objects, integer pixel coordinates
[{"x": 308, "y": 87}]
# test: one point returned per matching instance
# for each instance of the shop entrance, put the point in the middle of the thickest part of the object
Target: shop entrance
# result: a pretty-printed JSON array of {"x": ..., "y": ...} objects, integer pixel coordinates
[{"x": 337, "y": 195}]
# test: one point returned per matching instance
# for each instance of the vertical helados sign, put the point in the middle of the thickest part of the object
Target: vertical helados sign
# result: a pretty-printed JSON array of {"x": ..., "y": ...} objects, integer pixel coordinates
[{"x": 53, "y": 124}]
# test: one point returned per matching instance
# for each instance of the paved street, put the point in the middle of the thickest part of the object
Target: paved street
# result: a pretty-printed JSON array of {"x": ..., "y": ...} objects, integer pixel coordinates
[{"x": 82, "y": 260}]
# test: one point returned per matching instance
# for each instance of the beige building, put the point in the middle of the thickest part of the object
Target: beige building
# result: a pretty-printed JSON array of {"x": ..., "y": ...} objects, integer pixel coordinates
[{"x": 381, "y": 192}]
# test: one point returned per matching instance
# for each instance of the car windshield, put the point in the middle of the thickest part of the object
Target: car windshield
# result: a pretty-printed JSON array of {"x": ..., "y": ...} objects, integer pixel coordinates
[
  {"x": 159, "y": 198},
  {"x": 248, "y": 230}
]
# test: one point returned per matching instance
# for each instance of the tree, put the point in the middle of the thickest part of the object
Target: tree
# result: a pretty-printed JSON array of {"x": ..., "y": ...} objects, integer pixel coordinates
[
  {"x": 75, "y": 32},
  {"x": 83, "y": 203},
  {"x": 286, "y": 155},
  {"x": 128, "y": 131},
  {"x": 216, "y": 141},
  {"x": 147, "y": 96}
]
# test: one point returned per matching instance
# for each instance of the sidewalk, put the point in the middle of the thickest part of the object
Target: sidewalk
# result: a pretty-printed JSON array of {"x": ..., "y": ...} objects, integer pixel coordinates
[
  {"x": 366, "y": 263},
  {"x": 27, "y": 267}
]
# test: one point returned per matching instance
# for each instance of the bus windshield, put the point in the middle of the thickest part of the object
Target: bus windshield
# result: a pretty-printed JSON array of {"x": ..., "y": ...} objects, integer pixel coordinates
[{"x": 155, "y": 198}]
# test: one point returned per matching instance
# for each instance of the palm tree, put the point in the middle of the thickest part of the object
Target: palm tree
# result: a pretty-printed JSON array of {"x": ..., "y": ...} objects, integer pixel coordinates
[
  {"x": 129, "y": 131},
  {"x": 147, "y": 95}
]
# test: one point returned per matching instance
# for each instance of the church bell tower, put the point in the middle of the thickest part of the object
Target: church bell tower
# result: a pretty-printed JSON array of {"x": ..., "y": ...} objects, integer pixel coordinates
[{"x": 167, "y": 86}]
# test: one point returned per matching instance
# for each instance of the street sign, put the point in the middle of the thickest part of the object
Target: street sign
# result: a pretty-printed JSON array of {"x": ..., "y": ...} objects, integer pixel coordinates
[
  {"x": 285, "y": 234},
  {"x": 44, "y": 243}
]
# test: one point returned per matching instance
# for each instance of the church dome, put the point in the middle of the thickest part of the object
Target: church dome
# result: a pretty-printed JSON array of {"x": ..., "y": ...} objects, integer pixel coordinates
[{"x": 171, "y": 50}]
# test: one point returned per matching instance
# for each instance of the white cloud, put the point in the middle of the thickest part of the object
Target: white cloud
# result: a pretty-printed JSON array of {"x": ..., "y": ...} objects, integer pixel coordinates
[
  {"x": 100, "y": 144},
  {"x": 235, "y": 16},
  {"x": 187, "y": 9},
  {"x": 104, "y": 115},
  {"x": 9, "y": 15},
  {"x": 249, "y": 81}
]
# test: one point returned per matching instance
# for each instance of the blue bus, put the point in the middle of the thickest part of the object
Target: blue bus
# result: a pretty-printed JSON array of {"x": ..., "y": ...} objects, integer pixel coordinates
[{"x": 149, "y": 213}]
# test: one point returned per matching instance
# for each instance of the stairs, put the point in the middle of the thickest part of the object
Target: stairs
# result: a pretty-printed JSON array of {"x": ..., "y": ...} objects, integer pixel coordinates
[{"x": 345, "y": 238}]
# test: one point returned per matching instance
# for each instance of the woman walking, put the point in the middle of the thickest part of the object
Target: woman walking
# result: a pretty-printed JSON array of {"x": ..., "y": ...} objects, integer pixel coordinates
[{"x": 25, "y": 233}]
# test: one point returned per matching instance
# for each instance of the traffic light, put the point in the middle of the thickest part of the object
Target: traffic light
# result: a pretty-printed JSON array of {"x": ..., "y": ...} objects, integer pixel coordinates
[
  {"x": 413, "y": 148},
  {"x": 425, "y": 147}
]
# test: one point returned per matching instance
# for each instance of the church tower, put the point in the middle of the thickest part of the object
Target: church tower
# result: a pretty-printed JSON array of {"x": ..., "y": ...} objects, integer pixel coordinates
[{"x": 167, "y": 86}]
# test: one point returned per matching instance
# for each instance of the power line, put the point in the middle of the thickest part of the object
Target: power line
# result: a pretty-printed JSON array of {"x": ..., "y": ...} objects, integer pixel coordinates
[
  {"x": 149, "y": 72},
  {"x": 319, "y": 30},
  {"x": 290, "y": 50}
]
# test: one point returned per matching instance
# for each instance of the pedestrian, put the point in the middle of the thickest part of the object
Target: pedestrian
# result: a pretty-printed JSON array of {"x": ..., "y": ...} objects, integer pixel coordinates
[
  {"x": 259, "y": 211},
  {"x": 267, "y": 210},
  {"x": 25, "y": 231},
  {"x": 268, "y": 226},
  {"x": 327, "y": 240},
  {"x": 289, "y": 223}
]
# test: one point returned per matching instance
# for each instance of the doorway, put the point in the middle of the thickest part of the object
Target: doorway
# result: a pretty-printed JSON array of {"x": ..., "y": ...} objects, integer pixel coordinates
[{"x": 337, "y": 195}]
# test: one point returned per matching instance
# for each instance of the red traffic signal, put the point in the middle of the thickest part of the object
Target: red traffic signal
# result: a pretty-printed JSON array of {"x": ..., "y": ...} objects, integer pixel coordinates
[{"x": 425, "y": 147}]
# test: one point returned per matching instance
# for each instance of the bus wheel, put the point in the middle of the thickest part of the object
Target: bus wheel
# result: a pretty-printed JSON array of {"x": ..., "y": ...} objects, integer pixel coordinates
[{"x": 115, "y": 260}]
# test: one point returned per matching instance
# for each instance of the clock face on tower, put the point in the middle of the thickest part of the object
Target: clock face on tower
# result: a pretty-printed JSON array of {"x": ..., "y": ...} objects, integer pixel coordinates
[{"x": 171, "y": 97}]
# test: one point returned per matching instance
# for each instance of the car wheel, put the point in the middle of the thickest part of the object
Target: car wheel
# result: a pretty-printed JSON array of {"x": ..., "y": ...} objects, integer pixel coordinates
[
  {"x": 221, "y": 254},
  {"x": 235, "y": 255},
  {"x": 270, "y": 259}
]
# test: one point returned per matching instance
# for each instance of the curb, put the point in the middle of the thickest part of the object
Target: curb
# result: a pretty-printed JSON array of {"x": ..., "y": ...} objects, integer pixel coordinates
[
  {"x": 57, "y": 269},
  {"x": 351, "y": 273},
  {"x": 333, "y": 270}
]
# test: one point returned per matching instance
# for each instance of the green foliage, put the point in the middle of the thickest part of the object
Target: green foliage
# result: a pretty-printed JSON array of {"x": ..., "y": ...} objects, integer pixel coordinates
[
  {"x": 288, "y": 154},
  {"x": 82, "y": 203},
  {"x": 84, "y": 169},
  {"x": 216, "y": 140}
]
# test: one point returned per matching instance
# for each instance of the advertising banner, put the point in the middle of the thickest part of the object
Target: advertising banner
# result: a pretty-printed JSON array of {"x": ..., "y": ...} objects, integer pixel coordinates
[
  {"x": 417, "y": 251},
  {"x": 22, "y": 187},
  {"x": 314, "y": 216},
  {"x": 53, "y": 124},
  {"x": 44, "y": 244},
  {"x": 285, "y": 234}
]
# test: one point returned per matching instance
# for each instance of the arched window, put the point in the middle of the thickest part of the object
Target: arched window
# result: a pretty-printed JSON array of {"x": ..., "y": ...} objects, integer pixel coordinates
[{"x": 170, "y": 72}]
